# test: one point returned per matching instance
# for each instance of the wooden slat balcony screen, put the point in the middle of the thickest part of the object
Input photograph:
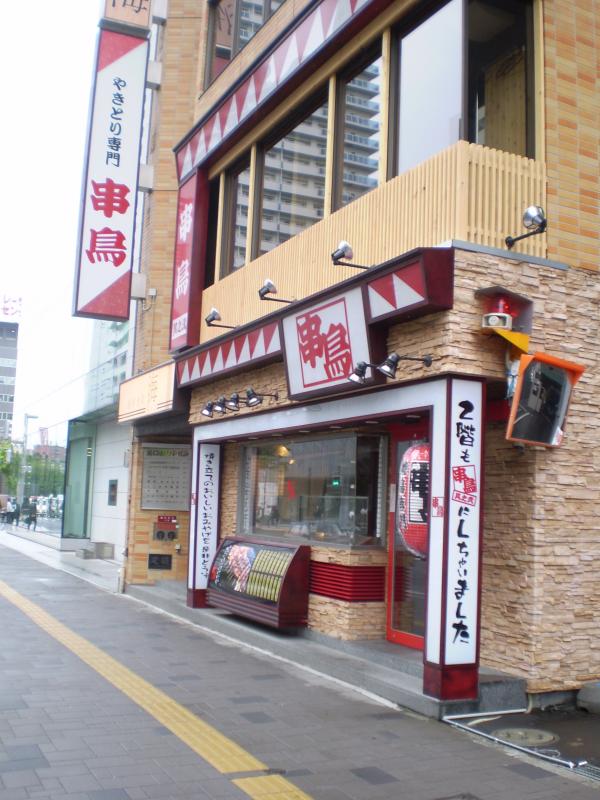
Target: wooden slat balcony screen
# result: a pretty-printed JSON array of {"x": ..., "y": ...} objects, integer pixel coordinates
[{"x": 467, "y": 192}]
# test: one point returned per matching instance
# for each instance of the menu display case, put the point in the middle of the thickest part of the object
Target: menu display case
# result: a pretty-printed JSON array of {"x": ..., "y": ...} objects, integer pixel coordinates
[{"x": 263, "y": 581}]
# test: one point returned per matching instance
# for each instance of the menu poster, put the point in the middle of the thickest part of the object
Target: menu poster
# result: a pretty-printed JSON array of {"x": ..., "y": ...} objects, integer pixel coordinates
[
  {"x": 166, "y": 476},
  {"x": 255, "y": 571}
]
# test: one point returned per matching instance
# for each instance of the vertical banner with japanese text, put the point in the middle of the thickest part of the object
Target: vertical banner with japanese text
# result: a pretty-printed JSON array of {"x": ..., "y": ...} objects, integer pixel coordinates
[
  {"x": 188, "y": 264},
  {"x": 204, "y": 515},
  {"x": 464, "y": 521},
  {"x": 106, "y": 236}
]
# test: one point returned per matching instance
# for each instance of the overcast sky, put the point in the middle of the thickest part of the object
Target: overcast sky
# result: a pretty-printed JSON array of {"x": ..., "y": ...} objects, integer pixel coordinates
[{"x": 46, "y": 61}]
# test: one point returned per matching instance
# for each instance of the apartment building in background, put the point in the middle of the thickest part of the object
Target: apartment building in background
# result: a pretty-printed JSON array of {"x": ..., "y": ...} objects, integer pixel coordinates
[{"x": 366, "y": 402}]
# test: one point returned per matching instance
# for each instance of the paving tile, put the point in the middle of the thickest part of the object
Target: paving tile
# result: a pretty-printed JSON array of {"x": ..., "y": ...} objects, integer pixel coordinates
[
  {"x": 256, "y": 716},
  {"x": 374, "y": 775}
]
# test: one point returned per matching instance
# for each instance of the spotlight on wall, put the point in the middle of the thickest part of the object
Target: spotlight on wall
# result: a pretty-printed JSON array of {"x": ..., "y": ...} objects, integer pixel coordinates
[
  {"x": 253, "y": 399},
  {"x": 233, "y": 404},
  {"x": 344, "y": 251},
  {"x": 387, "y": 367},
  {"x": 534, "y": 219},
  {"x": 207, "y": 411},
  {"x": 214, "y": 316},
  {"x": 220, "y": 405},
  {"x": 268, "y": 288}
]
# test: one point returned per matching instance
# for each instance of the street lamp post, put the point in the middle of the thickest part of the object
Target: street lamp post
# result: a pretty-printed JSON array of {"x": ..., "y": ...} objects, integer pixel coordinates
[{"x": 22, "y": 471}]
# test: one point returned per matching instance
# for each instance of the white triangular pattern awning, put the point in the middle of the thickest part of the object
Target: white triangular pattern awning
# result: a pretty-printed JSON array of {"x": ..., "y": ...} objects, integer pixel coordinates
[
  {"x": 379, "y": 305},
  {"x": 342, "y": 14},
  {"x": 215, "y": 137},
  {"x": 218, "y": 366},
  {"x": 201, "y": 148},
  {"x": 206, "y": 368},
  {"x": 259, "y": 349},
  {"x": 405, "y": 296},
  {"x": 195, "y": 374},
  {"x": 291, "y": 59},
  {"x": 250, "y": 101},
  {"x": 315, "y": 37},
  {"x": 232, "y": 117},
  {"x": 245, "y": 352},
  {"x": 185, "y": 375},
  {"x": 187, "y": 161},
  {"x": 270, "y": 80},
  {"x": 274, "y": 344},
  {"x": 231, "y": 358}
]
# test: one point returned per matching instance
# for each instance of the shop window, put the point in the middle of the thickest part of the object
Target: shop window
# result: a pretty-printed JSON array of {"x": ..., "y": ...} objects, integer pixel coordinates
[
  {"x": 233, "y": 23},
  {"x": 324, "y": 490},
  {"x": 287, "y": 163},
  {"x": 360, "y": 126}
]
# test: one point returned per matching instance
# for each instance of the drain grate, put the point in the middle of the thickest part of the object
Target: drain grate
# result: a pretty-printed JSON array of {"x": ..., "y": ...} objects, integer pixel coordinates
[
  {"x": 588, "y": 771},
  {"x": 525, "y": 737}
]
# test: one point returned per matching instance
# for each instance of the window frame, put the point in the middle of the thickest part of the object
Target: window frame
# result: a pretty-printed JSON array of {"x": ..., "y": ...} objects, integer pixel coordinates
[{"x": 225, "y": 257}]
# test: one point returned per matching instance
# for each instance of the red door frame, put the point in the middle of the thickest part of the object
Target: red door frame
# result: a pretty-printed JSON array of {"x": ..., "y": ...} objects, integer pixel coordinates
[{"x": 400, "y": 433}]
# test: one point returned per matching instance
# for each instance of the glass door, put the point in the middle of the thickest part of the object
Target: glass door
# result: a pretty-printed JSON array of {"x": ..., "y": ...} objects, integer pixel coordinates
[{"x": 408, "y": 532}]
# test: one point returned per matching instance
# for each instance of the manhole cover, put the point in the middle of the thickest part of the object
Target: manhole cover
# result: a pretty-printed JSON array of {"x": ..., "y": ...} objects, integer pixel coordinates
[{"x": 527, "y": 737}]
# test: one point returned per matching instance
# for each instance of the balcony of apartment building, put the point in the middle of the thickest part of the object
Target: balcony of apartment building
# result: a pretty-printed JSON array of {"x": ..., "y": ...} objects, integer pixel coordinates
[{"x": 390, "y": 155}]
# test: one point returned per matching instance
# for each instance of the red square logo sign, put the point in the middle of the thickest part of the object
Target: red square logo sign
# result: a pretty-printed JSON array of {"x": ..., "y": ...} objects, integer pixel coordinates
[
  {"x": 324, "y": 344},
  {"x": 464, "y": 480}
]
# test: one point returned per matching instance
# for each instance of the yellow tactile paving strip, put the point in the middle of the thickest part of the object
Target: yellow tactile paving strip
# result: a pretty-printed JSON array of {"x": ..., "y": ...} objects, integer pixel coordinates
[{"x": 219, "y": 751}]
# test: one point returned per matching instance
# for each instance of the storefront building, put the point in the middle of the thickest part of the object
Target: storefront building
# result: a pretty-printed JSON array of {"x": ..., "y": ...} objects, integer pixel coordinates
[{"x": 363, "y": 412}]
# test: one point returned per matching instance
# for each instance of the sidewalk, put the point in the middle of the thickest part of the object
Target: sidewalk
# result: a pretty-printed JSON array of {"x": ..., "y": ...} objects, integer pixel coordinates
[
  {"x": 377, "y": 670},
  {"x": 102, "y": 573},
  {"x": 67, "y": 732}
]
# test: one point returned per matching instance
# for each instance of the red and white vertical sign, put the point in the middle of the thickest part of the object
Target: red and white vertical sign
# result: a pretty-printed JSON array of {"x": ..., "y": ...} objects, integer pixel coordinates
[
  {"x": 188, "y": 264},
  {"x": 105, "y": 250},
  {"x": 464, "y": 513}
]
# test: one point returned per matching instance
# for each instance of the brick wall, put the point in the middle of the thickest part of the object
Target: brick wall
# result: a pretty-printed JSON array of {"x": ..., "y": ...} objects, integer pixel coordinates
[
  {"x": 172, "y": 117},
  {"x": 540, "y": 534},
  {"x": 572, "y": 106},
  {"x": 141, "y": 525}
]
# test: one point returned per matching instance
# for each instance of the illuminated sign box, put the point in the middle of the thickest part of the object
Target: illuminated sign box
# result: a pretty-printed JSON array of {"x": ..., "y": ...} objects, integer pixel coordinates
[{"x": 541, "y": 400}]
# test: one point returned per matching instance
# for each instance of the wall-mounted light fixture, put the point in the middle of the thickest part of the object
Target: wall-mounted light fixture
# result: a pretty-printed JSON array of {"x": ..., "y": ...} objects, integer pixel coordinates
[
  {"x": 387, "y": 367},
  {"x": 268, "y": 288},
  {"x": 220, "y": 406},
  {"x": 207, "y": 411},
  {"x": 214, "y": 316},
  {"x": 224, "y": 404},
  {"x": 233, "y": 404},
  {"x": 253, "y": 399},
  {"x": 344, "y": 251},
  {"x": 534, "y": 219}
]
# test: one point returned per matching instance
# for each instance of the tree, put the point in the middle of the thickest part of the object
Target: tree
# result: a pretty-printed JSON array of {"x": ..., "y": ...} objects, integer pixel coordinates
[{"x": 10, "y": 464}]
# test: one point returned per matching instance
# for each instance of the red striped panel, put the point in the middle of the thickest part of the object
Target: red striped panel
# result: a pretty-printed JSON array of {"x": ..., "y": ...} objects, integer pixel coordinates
[{"x": 359, "y": 584}]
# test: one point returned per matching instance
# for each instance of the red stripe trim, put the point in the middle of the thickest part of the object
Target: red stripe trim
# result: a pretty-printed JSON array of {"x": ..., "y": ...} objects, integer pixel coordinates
[{"x": 360, "y": 584}]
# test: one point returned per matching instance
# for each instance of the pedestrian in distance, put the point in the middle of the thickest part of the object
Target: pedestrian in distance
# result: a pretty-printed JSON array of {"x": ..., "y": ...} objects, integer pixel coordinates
[
  {"x": 17, "y": 513},
  {"x": 10, "y": 511}
]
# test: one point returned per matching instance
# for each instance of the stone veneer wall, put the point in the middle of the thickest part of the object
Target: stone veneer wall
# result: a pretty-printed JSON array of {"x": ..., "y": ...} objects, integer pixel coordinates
[{"x": 541, "y": 540}]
